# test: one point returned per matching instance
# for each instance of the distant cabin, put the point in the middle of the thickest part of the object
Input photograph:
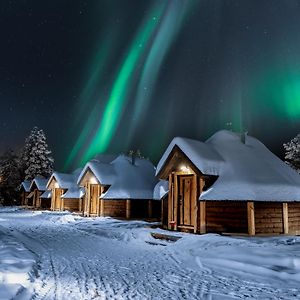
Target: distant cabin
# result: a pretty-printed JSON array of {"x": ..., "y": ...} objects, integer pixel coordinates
[
  {"x": 24, "y": 191},
  {"x": 122, "y": 188},
  {"x": 65, "y": 194},
  {"x": 231, "y": 183},
  {"x": 37, "y": 188}
]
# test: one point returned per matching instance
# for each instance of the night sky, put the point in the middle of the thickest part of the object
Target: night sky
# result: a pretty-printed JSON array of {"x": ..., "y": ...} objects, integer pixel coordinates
[{"x": 110, "y": 76}]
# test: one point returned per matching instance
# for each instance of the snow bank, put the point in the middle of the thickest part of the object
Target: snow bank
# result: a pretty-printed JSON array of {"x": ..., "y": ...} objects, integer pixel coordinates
[{"x": 16, "y": 264}]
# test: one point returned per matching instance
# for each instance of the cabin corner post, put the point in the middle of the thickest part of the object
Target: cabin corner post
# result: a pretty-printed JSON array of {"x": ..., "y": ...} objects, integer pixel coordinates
[
  {"x": 170, "y": 202},
  {"x": 128, "y": 209},
  {"x": 285, "y": 218},
  {"x": 52, "y": 198},
  {"x": 195, "y": 201},
  {"x": 251, "y": 218},
  {"x": 88, "y": 200},
  {"x": 62, "y": 203},
  {"x": 202, "y": 217},
  {"x": 101, "y": 202},
  {"x": 175, "y": 201}
]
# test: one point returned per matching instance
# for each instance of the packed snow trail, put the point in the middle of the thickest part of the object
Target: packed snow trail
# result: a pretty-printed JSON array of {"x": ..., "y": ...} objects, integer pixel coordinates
[{"x": 103, "y": 258}]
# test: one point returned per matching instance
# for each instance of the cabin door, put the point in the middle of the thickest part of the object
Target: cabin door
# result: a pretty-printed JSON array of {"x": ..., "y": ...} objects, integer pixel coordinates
[
  {"x": 57, "y": 199},
  {"x": 186, "y": 203},
  {"x": 94, "y": 198}
]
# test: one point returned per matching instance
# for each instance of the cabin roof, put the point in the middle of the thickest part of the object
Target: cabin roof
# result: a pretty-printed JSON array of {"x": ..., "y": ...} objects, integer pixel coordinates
[
  {"x": 160, "y": 189},
  {"x": 104, "y": 158},
  {"x": 26, "y": 185},
  {"x": 40, "y": 182},
  {"x": 205, "y": 159},
  {"x": 65, "y": 180},
  {"x": 131, "y": 181},
  {"x": 74, "y": 193},
  {"x": 246, "y": 171},
  {"x": 47, "y": 194},
  {"x": 104, "y": 172}
]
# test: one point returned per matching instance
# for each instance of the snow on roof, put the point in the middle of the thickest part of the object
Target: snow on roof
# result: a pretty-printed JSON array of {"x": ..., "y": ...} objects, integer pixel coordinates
[
  {"x": 131, "y": 181},
  {"x": 40, "y": 182},
  {"x": 104, "y": 172},
  {"x": 47, "y": 194},
  {"x": 250, "y": 172},
  {"x": 26, "y": 185},
  {"x": 204, "y": 157},
  {"x": 65, "y": 180},
  {"x": 161, "y": 189},
  {"x": 74, "y": 193}
]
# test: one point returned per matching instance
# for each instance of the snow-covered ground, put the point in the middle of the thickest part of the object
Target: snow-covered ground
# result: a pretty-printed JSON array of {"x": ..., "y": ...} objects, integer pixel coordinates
[{"x": 47, "y": 255}]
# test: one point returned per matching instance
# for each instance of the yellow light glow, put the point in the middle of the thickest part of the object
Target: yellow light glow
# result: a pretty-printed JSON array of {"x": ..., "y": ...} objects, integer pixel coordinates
[
  {"x": 185, "y": 169},
  {"x": 56, "y": 185},
  {"x": 93, "y": 180}
]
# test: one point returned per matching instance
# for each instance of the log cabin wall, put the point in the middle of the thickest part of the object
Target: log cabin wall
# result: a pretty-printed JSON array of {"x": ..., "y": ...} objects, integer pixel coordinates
[
  {"x": 226, "y": 216},
  {"x": 114, "y": 208},
  {"x": 294, "y": 217},
  {"x": 268, "y": 217},
  {"x": 71, "y": 204}
]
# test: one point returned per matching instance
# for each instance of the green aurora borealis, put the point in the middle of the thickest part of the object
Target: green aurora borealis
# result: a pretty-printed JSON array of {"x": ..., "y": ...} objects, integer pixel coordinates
[{"x": 109, "y": 76}]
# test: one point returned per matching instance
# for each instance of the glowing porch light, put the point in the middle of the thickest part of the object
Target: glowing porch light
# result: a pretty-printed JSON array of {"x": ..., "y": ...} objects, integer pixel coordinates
[
  {"x": 185, "y": 169},
  {"x": 56, "y": 185}
]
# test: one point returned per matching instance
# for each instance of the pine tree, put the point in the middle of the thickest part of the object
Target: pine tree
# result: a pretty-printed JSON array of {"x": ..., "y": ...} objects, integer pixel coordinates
[
  {"x": 10, "y": 178},
  {"x": 35, "y": 158},
  {"x": 292, "y": 153}
]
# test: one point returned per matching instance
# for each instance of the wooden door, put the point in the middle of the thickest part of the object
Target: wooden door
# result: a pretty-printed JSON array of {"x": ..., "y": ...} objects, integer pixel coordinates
[
  {"x": 186, "y": 202},
  {"x": 57, "y": 199},
  {"x": 94, "y": 198}
]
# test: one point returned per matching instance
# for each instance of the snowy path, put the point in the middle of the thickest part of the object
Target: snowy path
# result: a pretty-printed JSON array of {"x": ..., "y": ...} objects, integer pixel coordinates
[{"x": 80, "y": 258}]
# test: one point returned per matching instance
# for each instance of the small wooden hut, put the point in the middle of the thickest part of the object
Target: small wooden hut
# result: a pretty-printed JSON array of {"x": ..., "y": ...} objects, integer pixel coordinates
[
  {"x": 25, "y": 191},
  {"x": 231, "y": 183},
  {"x": 122, "y": 188},
  {"x": 65, "y": 194},
  {"x": 37, "y": 188}
]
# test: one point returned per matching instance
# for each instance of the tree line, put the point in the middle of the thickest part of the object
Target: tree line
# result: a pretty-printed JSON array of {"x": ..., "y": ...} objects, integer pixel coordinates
[{"x": 34, "y": 159}]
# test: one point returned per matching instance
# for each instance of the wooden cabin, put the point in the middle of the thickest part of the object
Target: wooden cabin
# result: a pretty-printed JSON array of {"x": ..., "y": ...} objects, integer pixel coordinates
[
  {"x": 24, "y": 191},
  {"x": 37, "y": 188},
  {"x": 122, "y": 188},
  {"x": 65, "y": 194},
  {"x": 230, "y": 184}
]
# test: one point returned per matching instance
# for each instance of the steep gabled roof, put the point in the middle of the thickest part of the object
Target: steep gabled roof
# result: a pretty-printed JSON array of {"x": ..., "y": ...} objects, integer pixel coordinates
[
  {"x": 104, "y": 172},
  {"x": 204, "y": 157},
  {"x": 26, "y": 185},
  {"x": 65, "y": 180},
  {"x": 246, "y": 171},
  {"x": 40, "y": 182}
]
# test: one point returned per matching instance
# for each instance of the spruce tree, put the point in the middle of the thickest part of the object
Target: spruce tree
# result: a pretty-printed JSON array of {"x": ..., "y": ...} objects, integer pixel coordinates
[
  {"x": 35, "y": 158},
  {"x": 292, "y": 153}
]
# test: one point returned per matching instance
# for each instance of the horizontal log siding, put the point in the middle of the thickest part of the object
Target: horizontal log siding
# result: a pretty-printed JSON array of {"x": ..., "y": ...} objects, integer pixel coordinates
[
  {"x": 115, "y": 208},
  {"x": 268, "y": 217},
  {"x": 294, "y": 217},
  {"x": 71, "y": 204},
  {"x": 226, "y": 216}
]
